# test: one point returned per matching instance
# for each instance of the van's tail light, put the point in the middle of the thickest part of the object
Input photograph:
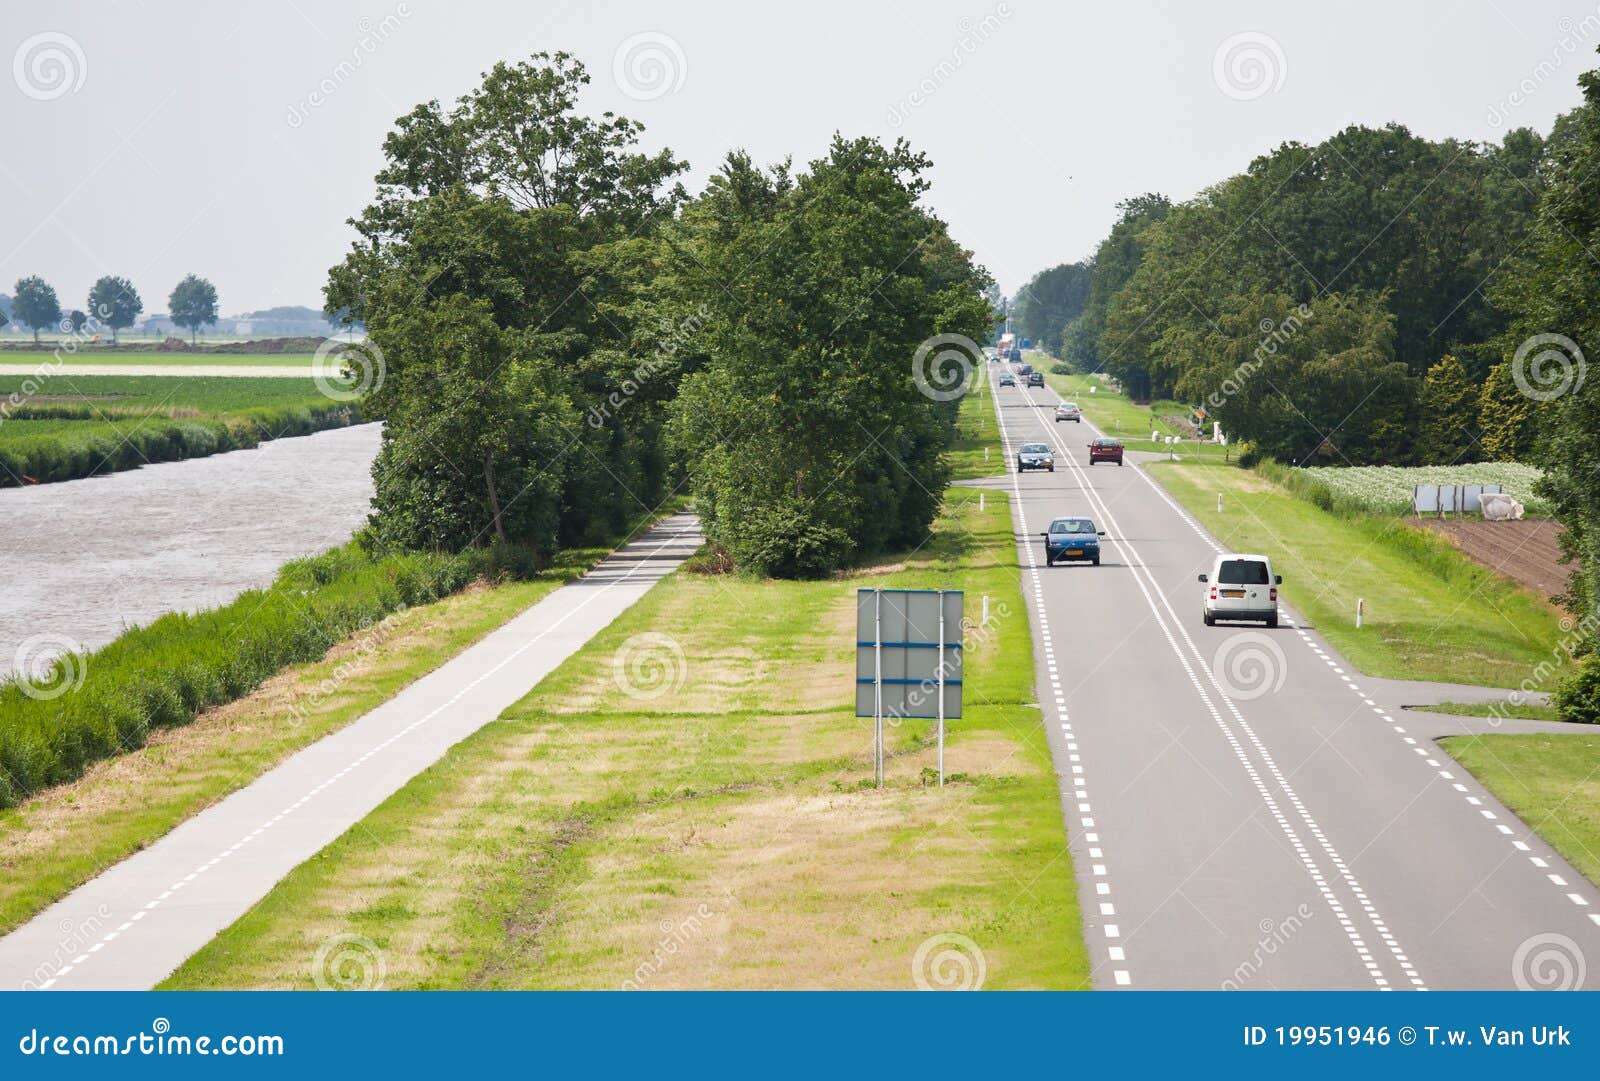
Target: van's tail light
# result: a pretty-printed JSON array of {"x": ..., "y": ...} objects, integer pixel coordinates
[
  {"x": 1273, "y": 594},
  {"x": 1213, "y": 592}
]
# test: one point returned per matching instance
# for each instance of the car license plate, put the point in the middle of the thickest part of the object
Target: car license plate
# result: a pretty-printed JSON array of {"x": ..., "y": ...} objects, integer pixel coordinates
[
  {"x": 1073, "y": 552},
  {"x": 1233, "y": 592}
]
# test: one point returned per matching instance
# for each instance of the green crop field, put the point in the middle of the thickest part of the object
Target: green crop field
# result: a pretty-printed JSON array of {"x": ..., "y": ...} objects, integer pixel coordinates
[
  {"x": 63, "y": 426},
  {"x": 35, "y": 358}
]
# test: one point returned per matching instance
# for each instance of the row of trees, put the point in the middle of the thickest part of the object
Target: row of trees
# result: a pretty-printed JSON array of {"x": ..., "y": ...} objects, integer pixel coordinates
[
  {"x": 567, "y": 337},
  {"x": 1306, "y": 301},
  {"x": 113, "y": 302}
]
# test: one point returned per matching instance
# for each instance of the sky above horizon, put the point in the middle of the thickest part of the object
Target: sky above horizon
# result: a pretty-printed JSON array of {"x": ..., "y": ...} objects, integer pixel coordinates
[{"x": 233, "y": 141}]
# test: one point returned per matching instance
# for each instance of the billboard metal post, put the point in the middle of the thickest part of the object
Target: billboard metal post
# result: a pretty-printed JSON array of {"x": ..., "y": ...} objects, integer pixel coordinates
[
  {"x": 941, "y": 688},
  {"x": 877, "y": 692}
]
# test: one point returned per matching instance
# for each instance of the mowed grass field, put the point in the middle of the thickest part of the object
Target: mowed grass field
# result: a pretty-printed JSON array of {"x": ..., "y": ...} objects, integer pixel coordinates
[
  {"x": 687, "y": 803},
  {"x": 1431, "y": 612},
  {"x": 62, "y": 426}
]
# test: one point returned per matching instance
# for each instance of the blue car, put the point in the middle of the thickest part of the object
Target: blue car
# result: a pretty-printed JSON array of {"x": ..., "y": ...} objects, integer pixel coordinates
[{"x": 1072, "y": 539}]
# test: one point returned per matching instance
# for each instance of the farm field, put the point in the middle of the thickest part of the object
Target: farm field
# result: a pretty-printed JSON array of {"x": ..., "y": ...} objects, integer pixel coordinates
[
  {"x": 34, "y": 358},
  {"x": 1386, "y": 489},
  {"x": 1432, "y": 613},
  {"x": 1528, "y": 551},
  {"x": 66, "y": 426}
]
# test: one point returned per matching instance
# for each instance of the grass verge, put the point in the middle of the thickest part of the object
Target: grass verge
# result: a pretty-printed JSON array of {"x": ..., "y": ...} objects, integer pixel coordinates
[
  {"x": 1551, "y": 782},
  {"x": 1117, "y": 415},
  {"x": 1431, "y": 613},
  {"x": 684, "y": 803},
  {"x": 1531, "y": 711},
  {"x": 976, "y": 451},
  {"x": 65, "y": 835}
]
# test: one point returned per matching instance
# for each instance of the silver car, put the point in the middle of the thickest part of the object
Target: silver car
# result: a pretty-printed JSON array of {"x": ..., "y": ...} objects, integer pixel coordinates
[{"x": 1035, "y": 456}]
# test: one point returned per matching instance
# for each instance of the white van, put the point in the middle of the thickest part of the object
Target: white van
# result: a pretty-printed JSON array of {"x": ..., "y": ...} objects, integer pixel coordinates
[{"x": 1241, "y": 586}]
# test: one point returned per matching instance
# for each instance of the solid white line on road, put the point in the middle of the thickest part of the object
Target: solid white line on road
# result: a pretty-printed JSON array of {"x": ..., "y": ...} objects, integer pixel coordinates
[{"x": 1120, "y": 976}]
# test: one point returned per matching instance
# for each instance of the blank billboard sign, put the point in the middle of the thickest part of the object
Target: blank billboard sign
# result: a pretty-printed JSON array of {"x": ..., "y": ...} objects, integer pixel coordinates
[{"x": 898, "y": 638}]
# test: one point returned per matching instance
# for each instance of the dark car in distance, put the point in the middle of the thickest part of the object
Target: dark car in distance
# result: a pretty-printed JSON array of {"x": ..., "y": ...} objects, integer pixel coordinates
[
  {"x": 1035, "y": 379},
  {"x": 1105, "y": 450}
]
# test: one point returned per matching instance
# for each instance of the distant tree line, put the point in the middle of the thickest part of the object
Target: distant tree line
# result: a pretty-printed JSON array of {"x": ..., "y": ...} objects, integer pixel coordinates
[
  {"x": 563, "y": 337},
  {"x": 1375, "y": 298},
  {"x": 1342, "y": 302},
  {"x": 113, "y": 303}
]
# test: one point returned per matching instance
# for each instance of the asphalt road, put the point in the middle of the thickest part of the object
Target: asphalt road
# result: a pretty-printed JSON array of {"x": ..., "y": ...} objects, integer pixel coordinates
[
  {"x": 133, "y": 925},
  {"x": 1245, "y": 809}
]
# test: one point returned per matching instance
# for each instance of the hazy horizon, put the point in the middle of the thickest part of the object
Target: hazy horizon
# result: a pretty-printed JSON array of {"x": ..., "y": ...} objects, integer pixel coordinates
[{"x": 1038, "y": 117}]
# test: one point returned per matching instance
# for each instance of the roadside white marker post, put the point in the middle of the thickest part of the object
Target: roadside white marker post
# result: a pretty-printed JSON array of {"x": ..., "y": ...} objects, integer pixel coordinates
[
  {"x": 1360, "y": 606},
  {"x": 941, "y": 687},
  {"x": 980, "y": 502},
  {"x": 877, "y": 689},
  {"x": 985, "y": 622},
  {"x": 1219, "y": 502}
]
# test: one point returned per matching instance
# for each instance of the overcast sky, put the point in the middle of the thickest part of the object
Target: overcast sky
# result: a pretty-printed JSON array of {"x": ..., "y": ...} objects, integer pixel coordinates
[{"x": 233, "y": 140}]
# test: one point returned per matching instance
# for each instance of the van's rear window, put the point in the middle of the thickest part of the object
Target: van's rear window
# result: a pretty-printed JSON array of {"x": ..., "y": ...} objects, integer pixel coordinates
[{"x": 1243, "y": 572}]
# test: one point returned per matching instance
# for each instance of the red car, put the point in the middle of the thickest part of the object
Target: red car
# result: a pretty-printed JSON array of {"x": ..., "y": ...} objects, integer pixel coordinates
[{"x": 1105, "y": 450}]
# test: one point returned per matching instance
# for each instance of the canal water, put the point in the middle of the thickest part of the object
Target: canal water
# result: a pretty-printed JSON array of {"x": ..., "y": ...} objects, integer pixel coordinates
[{"x": 85, "y": 559}]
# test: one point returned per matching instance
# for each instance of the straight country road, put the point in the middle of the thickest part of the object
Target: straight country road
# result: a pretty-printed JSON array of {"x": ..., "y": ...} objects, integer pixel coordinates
[
  {"x": 133, "y": 925},
  {"x": 1246, "y": 810}
]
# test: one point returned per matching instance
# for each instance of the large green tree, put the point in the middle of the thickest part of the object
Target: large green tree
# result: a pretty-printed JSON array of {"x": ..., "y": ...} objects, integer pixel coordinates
[
  {"x": 815, "y": 429},
  {"x": 1447, "y": 415},
  {"x": 35, "y": 305},
  {"x": 1049, "y": 301},
  {"x": 115, "y": 303},
  {"x": 1308, "y": 383},
  {"x": 193, "y": 304},
  {"x": 498, "y": 274}
]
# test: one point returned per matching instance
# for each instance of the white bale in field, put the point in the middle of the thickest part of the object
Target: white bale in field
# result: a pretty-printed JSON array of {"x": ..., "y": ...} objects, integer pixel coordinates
[{"x": 1499, "y": 507}]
